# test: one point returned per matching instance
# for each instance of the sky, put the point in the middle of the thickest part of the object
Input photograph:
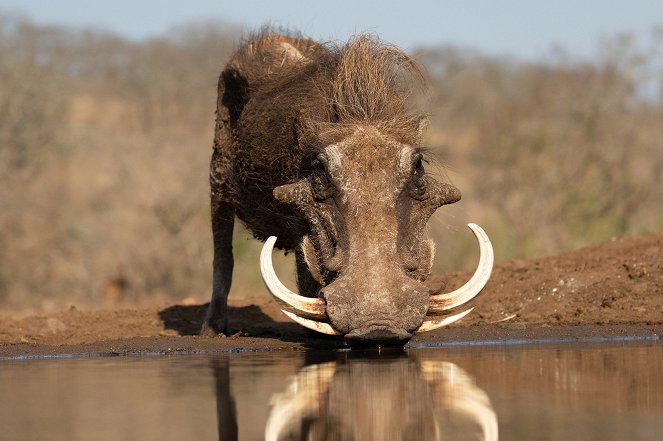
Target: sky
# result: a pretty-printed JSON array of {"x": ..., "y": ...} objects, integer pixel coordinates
[{"x": 520, "y": 28}]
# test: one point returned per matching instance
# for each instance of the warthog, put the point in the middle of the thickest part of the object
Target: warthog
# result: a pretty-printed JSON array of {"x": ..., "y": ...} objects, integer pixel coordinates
[{"x": 317, "y": 150}]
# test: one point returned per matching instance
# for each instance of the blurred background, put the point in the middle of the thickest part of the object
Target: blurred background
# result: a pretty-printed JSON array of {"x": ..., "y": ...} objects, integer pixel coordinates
[{"x": 549, "y": 118}]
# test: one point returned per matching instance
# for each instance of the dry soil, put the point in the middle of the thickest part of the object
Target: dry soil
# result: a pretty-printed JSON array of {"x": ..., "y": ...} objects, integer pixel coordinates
[{"x": 612, "y": 290}]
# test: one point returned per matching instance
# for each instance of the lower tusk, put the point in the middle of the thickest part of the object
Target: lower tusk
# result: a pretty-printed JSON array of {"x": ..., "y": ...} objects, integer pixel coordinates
[
  {"x": 323, "y": 328},
  {"x": 305, "y": 306},
  {"x": 443, "y": 302},
  {"x": 429, "y": 325}
]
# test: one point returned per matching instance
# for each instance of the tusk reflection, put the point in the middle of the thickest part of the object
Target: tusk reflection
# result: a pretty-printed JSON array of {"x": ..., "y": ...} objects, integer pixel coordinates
[
  {"x": 387, "y": 398},
  {"x": 460, "y": 394}
]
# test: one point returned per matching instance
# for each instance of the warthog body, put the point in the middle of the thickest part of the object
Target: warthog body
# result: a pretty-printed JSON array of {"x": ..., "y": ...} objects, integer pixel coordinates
[{"x": 316, "y": 145}]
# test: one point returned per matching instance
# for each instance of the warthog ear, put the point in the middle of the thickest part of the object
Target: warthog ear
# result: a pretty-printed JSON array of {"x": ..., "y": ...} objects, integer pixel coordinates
[{"x": 298, "y": 193}]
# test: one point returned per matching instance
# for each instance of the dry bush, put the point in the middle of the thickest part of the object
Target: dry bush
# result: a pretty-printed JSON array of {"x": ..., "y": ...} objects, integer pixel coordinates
[
  {"x": 555, "y": 155},
  {"x": 32, "y": 108},
  {"x": 104, "y": 152}
]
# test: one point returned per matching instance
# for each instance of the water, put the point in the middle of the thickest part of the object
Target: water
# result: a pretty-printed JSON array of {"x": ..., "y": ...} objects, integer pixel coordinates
[{"x": 547, "y": 392}]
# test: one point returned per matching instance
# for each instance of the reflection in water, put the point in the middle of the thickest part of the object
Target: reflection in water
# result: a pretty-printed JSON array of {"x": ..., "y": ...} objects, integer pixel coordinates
[
  {"x": 544, "y": 393},
  {"x": 226, "y": 410},
  {"x": 393, "y": 398}
]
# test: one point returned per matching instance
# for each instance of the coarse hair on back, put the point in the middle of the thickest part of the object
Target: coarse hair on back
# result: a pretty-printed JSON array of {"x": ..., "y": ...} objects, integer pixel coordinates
[{"x": 373, "y": 82}]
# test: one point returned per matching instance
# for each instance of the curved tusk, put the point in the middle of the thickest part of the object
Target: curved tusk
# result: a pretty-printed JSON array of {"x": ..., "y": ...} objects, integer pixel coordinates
[
  {"x": 429, "y": 325},
  {"x": 323, "y": 328},
  {"x": 305, "y": 306},
  {"x": 443, "y": 302}
]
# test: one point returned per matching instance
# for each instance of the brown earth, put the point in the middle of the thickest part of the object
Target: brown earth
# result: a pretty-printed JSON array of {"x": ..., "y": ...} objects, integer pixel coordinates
[{"x": 611, "y": 290}]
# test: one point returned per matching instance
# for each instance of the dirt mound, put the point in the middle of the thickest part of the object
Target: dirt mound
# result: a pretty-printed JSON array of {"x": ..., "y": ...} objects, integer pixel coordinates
[
  {"x": 620, "y": 281},
  {"x": 610, "y": 289}
]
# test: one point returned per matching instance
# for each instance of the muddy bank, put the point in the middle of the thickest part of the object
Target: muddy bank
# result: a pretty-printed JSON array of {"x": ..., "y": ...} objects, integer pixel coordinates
[
  {"x": 611, "y": 290},
  {"x": 453, "y": 337}
]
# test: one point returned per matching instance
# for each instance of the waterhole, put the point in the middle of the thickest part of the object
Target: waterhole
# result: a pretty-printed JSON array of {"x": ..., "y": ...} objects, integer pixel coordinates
[{"x": 547, "y": 392}]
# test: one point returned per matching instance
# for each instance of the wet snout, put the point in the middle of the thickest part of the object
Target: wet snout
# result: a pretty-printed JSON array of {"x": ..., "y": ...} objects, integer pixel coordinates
[{"x": 378, "y": 335}]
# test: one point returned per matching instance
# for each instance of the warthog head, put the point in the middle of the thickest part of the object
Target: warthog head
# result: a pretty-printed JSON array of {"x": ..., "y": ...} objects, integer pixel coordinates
[
  {"x": 363, "y": 190},
  {"x": 367, "y": 199}
]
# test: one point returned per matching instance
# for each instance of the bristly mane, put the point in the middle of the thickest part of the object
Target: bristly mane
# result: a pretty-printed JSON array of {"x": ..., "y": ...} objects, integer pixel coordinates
[{"x": 372, "y": 82}]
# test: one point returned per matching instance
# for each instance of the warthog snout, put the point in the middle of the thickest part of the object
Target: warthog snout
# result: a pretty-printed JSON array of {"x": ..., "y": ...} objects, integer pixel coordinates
[{"x": 382, "y": 310}]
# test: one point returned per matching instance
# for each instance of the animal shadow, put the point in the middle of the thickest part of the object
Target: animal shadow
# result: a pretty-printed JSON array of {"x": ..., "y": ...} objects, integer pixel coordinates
[{"x": 247, "y": 321}]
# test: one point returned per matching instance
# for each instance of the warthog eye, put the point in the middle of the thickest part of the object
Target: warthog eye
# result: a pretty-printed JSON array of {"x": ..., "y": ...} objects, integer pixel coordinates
[
  {"x": 320, "y": 182},
  {"x": 417, "y": 187}
]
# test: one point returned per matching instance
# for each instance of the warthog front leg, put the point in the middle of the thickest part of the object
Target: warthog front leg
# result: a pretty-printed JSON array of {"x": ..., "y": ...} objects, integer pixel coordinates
[{"x": 223, "y": 220}]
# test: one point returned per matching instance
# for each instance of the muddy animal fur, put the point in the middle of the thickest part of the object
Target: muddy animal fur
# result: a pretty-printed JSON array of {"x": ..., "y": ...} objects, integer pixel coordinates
[{"x": 317, "y": 144}]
